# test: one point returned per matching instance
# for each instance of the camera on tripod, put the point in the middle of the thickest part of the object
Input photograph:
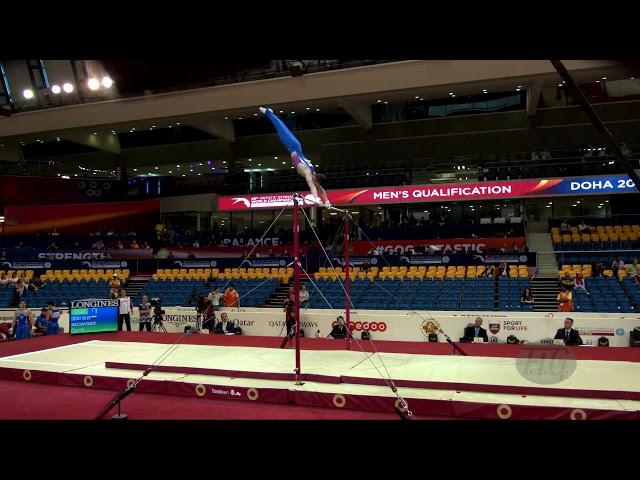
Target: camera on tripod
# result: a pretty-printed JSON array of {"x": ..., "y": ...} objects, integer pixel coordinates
[{"x": 157, "y": 307}]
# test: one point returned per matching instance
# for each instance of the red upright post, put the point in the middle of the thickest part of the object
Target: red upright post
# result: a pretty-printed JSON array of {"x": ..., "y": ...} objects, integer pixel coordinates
[
  {"x": 347, "y": 300},
  {"x": 296, "y": 284}
]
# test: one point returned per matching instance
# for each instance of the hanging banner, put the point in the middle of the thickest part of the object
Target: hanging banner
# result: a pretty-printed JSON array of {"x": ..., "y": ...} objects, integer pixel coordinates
[
  {"x": 442, "y": 193},
  {"x": 439, "y": 246}
]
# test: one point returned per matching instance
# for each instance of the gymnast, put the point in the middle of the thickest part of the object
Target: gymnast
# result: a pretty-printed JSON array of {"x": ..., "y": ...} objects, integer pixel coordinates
[{"x": 304, "y": 167}]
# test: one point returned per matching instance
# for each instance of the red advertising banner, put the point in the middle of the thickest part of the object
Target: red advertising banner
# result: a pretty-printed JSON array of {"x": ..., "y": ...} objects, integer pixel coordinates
[
  {"x": 442, "y": 193},
  {"x": 460, "y": 245},
  {"x": 82, "y": 218}
]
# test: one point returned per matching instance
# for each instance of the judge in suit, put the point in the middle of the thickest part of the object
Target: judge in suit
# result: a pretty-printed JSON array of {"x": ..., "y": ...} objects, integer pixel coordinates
[
  {"x": 339, "y": 330},
  {"x": 475, "y": 330},
  {"x": 570, "y": 336}
]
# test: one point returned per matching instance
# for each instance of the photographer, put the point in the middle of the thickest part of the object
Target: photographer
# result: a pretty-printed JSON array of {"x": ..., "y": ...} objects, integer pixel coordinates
[
  {"x": 145, "y": 314},
  {"x": 207, "y": 309}
]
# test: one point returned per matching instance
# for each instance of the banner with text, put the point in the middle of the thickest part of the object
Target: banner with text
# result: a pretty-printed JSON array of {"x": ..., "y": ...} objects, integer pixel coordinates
[{"x": 442, "y": 193}]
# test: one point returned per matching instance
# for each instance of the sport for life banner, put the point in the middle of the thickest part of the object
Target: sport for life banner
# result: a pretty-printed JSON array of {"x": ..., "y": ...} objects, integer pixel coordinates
[{"x": 445, "y": 192}]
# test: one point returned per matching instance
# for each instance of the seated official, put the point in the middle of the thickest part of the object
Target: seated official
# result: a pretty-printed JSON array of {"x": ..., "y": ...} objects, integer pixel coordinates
[
  {"x": 475, "y": 330},
  {"x": 570, "y": 336},
  {"x": 339, "y": 329}
]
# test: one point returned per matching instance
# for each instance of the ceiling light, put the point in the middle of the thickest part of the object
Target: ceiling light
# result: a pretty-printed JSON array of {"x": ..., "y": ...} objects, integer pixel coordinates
[
  {"x": 199, "y": 174},
  {"x": 559, "y": 84},
  {"x": 281, "y": 111},
  {"x": 317, "y": 109},
  {"x": 275, "y": 158},
  {"x": 597, "y": 81},
  {"x": 239, "y": 118},
  {"x": 604, "y": 78},
  {"x": 95, "y": 133},
  {"x": 226, "y": 118},
  {"x": 135, "y": 169},
  {"x": 293, "y": 113},
  {"x": 421, "y": 99},
  {"x": 177, "y": 166},
  {"x": 250, "y": 160},
  {"x": 259, "y": 164},
  {"x": 170, "y": 126},
  {"x": 170, "y": 171},
  {"x": 450, "y": 93},
  {"x": 385, "y": 104},
  {"x": 284, "y": 163},
  {"x": 177, "y": 123},
  {"x": 183, "y": 175},
  {"x": 56, "y": 89},
  {"x": 93, "y": 84},
  {"x": 519, "y": 86},
  {"x": 156, "y": 168},
  {"x": 417, "y": 96},
  {"x": 201, "y": 164},
  {"x": 28, "y": 94},
  {"x": 379, "y": 101},
  {"x": 107, "y": 82},
  {"x": 308, "y": 108},
  {"x": 67, "y": 87},
  {"x": 224, "y": 161},
  {"x": 452, "y": 96}
]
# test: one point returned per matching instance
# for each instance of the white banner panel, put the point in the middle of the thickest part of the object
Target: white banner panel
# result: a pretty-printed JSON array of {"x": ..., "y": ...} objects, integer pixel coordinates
[{"x": 403, "y": 325}]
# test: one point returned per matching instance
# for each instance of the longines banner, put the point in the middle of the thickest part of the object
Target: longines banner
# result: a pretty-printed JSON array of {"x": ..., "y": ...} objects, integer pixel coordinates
[
  {"x": 532, "y": 327},
  {"x": 445, "y": 192}
]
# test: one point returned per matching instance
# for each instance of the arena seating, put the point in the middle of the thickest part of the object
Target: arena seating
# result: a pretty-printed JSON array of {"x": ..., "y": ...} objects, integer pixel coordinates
[
  {"x": 436, "y": 292},
  {"x": 602, "y": 237},
  {"x": 281, "y": 273},
  {"x": 253, "y": 292},
  {"x": 60, "y": 291}
]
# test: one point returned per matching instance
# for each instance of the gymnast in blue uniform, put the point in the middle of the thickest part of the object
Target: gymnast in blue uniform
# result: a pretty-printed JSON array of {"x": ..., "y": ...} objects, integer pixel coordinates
[
  {"x": 53, "y": 326},
  {"x": 22, "y": 322},
  {"x": 304, "y": 167}
]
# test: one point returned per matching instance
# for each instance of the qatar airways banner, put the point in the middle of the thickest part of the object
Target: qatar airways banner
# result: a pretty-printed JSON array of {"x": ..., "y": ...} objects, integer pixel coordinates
[
  {"x": 460, "y": 245},
  {"x": 445, "y": 192}
]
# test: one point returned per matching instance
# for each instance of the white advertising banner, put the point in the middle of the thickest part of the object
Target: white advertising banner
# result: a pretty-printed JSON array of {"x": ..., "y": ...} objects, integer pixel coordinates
[{"x": 406, "y": 325}]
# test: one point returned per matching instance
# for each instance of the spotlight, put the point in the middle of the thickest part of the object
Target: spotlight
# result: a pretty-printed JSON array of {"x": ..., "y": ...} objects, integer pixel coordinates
[
  {"x": 67, "y": 87},
  {"x": 93, "y": 84},
  {"x": 107, "y": 82},
  {"x": 56, "y": 89},
  {"x": 28, "y": 94}
]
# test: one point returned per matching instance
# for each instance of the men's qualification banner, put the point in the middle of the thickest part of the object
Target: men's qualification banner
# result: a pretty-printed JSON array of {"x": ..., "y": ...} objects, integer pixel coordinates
[{"x": 444, "y": 192}]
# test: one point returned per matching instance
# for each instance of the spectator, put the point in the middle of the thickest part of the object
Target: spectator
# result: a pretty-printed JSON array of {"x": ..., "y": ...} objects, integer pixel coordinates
[
  {"x": 527, "y": 296},
  {"x": 110, "y": 233},
  {"x": 583, "y": 227},
  {"x": 339, "y": 330},
  {"x": 632, "y": 268},
  {"x": 566, "y": 281},
  {"x": 114, "y": 285},
  {"x": 616, "y": 266},
  {"x": 124, "y": 310},
  {"x": 565, "y": 300},
  {"x": 366, "y": 265},
  {"x": 489, "y": 272},
  {"x": 304, "y": 295},
  {"x": 135, "y": 245},
  {"x": 146, "y": 246},
  {"x": 570, "y": 336},
  {"x": 3, "y": 255},
  {"x": 231, "y": 297},
  {"x": 564, "y": 227},
  {"x": 4, "y": 281},
  {"x": 598, "y": 269},
  {"x": 42, "y": 321},
  {"x": 21, "y": 290},
  {"x": 22, "y": 322},
  {"x": 503, "y": 270},
  {"x": 475, "y": 330},
  {"x": 14, "y": 278},
  {"x": 214, "y": 297},
  {"x": 578, "y": 283},
  {"x": 196, "y": 244},
  {"x": 55, "y": 233},
  {"x": 119, "y": 245}
]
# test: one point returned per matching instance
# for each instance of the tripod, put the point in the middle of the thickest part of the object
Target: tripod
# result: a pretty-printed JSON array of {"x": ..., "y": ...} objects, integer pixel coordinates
[{"x": 158, "y": 326}]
